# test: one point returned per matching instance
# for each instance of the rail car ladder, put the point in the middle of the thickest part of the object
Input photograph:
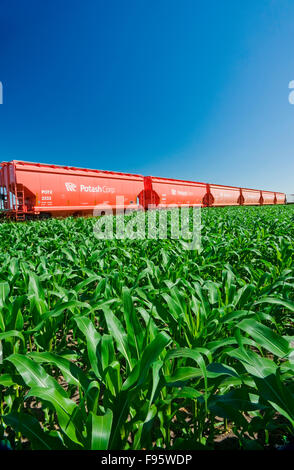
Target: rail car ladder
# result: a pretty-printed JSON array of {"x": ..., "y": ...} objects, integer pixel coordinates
[{"x": 19, "y": 203}]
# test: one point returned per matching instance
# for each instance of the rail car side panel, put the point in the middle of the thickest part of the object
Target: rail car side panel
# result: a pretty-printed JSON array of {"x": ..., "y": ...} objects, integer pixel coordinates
[
  {"x": 251, "y": 197},
  {"x": 281, "y": 198},
  {"x": 224, "y": 195},
  {"x": 75, "y": 190},
  {"x": 268, "y": 197},
  {"x": 176, "y": 192}
]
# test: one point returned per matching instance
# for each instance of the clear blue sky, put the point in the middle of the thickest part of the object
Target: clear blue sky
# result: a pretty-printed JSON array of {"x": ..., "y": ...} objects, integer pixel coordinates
[{"x": 178, "y": 88}]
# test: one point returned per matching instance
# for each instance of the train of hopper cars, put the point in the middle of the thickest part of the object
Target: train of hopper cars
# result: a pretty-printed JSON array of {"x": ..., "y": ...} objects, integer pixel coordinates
[{"x": 36, "y": 190}]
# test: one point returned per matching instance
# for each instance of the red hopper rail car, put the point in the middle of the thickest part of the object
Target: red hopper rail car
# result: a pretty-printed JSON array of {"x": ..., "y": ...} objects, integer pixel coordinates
[{"x": 37, "y": 190}]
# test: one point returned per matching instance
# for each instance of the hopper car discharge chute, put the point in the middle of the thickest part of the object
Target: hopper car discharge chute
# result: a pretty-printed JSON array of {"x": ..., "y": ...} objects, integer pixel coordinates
[{"x": 36, "y": 190}]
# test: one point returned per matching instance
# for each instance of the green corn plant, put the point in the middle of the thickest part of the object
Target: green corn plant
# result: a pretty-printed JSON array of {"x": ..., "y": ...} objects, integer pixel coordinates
[{"x": 140, "y": 343}]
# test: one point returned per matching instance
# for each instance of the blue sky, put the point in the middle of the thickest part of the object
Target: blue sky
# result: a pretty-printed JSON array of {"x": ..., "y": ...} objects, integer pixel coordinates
[{"x": 185, "y": 89}]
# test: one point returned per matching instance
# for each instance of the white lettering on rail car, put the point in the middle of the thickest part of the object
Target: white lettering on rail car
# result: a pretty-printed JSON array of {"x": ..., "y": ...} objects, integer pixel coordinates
[
  {"x": 181, "y": 193},
  {"x": 96, "y": 189}
]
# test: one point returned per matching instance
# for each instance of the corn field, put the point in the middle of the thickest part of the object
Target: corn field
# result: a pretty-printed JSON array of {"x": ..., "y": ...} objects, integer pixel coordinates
[{"x": 141, "y": 344}]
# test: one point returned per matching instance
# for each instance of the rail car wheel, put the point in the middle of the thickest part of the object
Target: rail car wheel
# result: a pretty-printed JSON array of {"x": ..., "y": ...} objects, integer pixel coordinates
[
  {"x": 31, "y": 217},
  {"x": 45, "y": 215}
]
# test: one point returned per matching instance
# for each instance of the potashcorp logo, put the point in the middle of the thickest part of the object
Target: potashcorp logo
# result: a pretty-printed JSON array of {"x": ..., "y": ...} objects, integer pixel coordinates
[
  {"x": 1, "y": 93},
  {"x": 291, "y": 94},
  {"x": 70, "y": 186},
  {"x": 96, "y": 189}
]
